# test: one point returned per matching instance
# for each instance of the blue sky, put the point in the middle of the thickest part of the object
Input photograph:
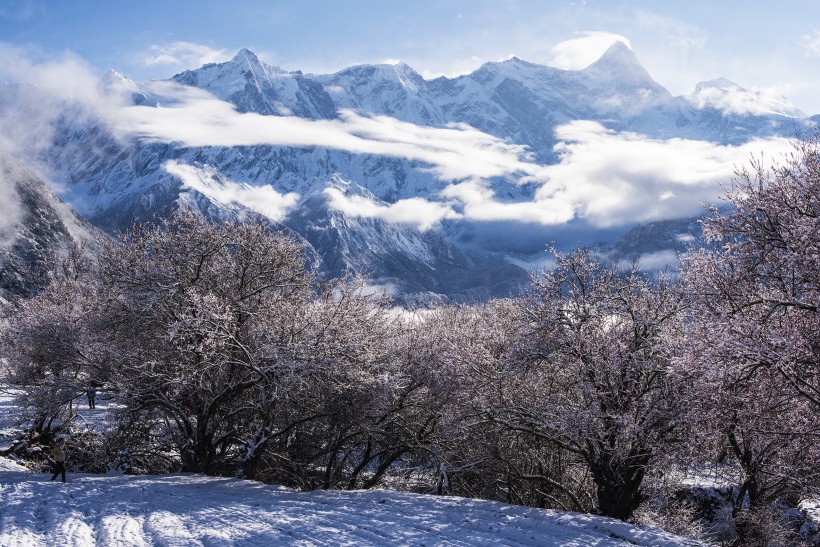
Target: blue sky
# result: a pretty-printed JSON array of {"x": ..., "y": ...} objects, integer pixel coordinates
[{"x": 773, "y": 46}]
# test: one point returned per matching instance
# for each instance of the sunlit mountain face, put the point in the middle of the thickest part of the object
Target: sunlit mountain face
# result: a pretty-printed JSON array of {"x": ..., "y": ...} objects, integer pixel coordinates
[{"x": 448, "y": 187}]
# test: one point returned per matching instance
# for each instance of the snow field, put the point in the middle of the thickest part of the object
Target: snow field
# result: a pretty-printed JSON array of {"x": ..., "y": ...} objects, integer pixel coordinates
[{"x": 187, "y": 510}]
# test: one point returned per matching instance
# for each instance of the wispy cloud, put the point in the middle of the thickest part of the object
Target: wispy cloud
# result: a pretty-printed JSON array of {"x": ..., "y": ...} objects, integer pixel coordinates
[
  {"x": 21, "y": 10},
  {"x": 674, "y": 33},
  {"x": 579, "y": 53},
  {"x": 36, "y": 89},
  {"x": 811, "y": 43},
  {"x": 206, "y": 180},
  {"x": 418, "y": 212},
  {"x": 10, "y": 207},
  {"x": 198, "y": 119},
  {"x": 184, "y": 54},
  {"x": 65, "y": 75}
]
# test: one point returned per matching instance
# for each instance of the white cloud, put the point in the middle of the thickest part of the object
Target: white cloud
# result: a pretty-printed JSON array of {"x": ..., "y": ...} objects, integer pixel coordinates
[
  {"x": 611, "y": 178},
  {"x": 811, "y": 43},
  {"x": 615, "y": 178},
  {"x": 10, "y": 207},
  {"x": 65, "y": 76},
  {"x": 186, "y": 54},
  {"x": 579, "y": 53},
  {"x": 421, "y": 213},
  {"x": 480, "y": 204},
  {"x": 198, "y": 119},
  {"x": 729, "y": 97},
  {"x": 37, "y": 89},
  {"x": 206, "y": 180}
]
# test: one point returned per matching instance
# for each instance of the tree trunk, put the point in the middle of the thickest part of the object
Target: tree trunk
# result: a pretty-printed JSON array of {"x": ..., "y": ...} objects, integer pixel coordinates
[
  {"x": 618, "y": 488},
  {"x": 618, "y": 500}
]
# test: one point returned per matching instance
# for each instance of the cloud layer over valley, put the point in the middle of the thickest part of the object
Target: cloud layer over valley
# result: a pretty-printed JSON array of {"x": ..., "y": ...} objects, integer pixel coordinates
[{"x": 604, "y": 177}]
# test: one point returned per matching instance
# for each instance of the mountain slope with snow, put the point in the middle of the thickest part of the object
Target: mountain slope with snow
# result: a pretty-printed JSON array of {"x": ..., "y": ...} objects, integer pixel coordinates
[
  {"x": 116, "y": 510},
  {"x": 377, "y": 128},
  {"x": 35, "y": 226}
]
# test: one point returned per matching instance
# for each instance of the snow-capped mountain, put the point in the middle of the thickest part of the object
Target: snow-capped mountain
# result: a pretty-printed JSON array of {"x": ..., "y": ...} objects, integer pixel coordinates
[
  {"x": 113, "y": 178},
  {"x": 253, "y": 86},
  {"x": 402, "y": 260}
]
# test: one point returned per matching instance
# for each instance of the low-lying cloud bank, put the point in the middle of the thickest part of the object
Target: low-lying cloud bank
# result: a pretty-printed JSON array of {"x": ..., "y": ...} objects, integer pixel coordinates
[
  {"x": 606, "y": 177},
  {"x": 612, "y": 178},
  {"x": 196, "y": 118},
  {"x": 418, "y": 212},
  {"x": 264, "y": 199}
]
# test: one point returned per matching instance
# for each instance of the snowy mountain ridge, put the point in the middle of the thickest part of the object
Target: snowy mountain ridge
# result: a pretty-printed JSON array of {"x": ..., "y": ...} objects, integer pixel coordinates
[{"x": 113, "y": 178}]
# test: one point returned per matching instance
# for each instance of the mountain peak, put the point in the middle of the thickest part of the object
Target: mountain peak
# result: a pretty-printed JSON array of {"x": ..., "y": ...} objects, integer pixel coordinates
[
  {"x": 116, "y": 82},
  {"x": 245, "y": 55},
  {"x": 113, "y": 75},
  {"x": 617, "y": 56},
  {"x": 729, "y": 97},
  {"x": 718, "y": 83},
  {"x": 620, "y": 63}
]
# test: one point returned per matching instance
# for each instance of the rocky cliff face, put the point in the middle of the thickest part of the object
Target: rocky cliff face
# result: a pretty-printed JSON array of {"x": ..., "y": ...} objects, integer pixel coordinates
[{"x": 35, "y": 228}]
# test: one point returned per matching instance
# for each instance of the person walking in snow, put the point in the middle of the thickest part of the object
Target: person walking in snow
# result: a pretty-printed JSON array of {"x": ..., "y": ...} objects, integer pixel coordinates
[
  {"x": 91, "y": 393},
  {"x": 59, "y": 454}
]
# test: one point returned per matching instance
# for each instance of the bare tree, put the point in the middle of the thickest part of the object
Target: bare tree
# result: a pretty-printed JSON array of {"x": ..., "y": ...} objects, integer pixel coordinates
[
  {"x": 191, "y": 312},
  {"x": 755, "y": 328},
  {"x": 594, "y": 367}
]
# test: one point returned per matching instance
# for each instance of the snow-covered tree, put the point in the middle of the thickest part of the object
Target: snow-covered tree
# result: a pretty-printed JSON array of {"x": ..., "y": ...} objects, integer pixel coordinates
[
  {"x": 475, "y": 454},
  {"x": 50, "y": 343},
  {"x": 755, "y": 328},
  {"x": 760, "y": 280},
  {"x": 191, "y": 316},
  {"x": 594, "y": 367}
]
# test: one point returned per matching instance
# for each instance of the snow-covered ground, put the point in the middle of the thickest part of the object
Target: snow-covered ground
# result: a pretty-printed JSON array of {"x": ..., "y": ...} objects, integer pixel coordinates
[
  {"x": 98, "y": 419},
  {"x": 186, "y": 509}
]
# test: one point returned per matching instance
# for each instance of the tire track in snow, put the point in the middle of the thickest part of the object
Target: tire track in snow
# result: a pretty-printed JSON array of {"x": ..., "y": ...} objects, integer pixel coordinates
[
  {"x": 223, "y": 525},
  {"x": 64, "y": 523},
  {"x": 121, "y": 529},
  {"x": 72, "y": 530}
]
